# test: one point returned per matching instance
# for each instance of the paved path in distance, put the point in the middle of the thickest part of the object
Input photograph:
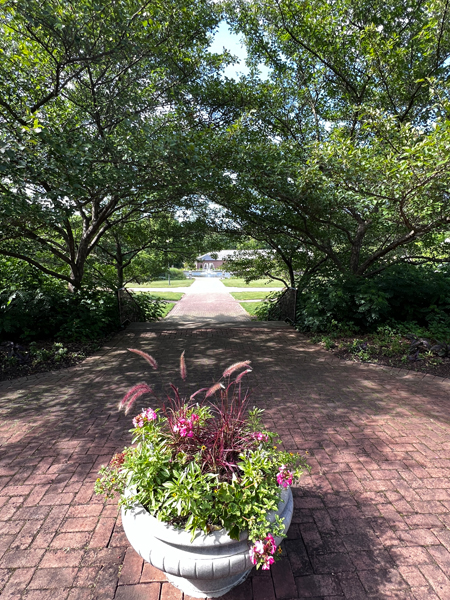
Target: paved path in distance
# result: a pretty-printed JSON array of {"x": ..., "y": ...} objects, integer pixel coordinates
[
  {"x": 207, "y": 300},
  {"x": 371, "y": 520}
]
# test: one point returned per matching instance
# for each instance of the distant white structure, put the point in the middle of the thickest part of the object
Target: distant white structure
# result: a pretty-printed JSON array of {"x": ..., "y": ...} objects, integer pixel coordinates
[{"x": 213, "y": 260}]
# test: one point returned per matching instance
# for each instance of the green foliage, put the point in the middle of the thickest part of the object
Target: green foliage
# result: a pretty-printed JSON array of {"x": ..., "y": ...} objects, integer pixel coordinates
[
  {"x": 418, "y": 297},
  {"x": 56, "y": 353},
  {"x": 177, "y": 274},
  {"x": 152, "y": 307},
  {"x": 267, "y": 310},
  {"x": 93, "y": 131},
  {"x": 255, "y": 264},
  {"x": 53, "y": 312},
  {"x": 180, "y": 491},
  {"x": 344, "y": 148}
]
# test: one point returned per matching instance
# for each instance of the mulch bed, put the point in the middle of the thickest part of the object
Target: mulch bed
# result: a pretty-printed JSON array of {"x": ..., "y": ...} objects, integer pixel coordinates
[
  {"x": 23, "y": 359},
  {"x": 363, "y": 349}
]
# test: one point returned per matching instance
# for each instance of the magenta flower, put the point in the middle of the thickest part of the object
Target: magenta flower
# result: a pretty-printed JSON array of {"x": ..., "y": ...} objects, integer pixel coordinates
[
  {"x": 184, "y": 426},
  {"x": 284, "y": 477},
  {"x": 270, "y": 545},
  {"x": 268, "y": 560},
  {"x": 144, "y": 417},
  {"x": 261, "y": 437},
  {"x": 150, "y": 414},
  {"x": 262, "y": 551}
]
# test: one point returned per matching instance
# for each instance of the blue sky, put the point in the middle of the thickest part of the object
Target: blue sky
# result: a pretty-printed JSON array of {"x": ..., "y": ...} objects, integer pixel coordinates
[{"x": 223, "y": 38}]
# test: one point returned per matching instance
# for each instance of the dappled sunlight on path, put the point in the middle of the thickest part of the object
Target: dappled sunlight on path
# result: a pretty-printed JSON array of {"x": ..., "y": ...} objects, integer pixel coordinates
[{"x": 371, "y": 520}]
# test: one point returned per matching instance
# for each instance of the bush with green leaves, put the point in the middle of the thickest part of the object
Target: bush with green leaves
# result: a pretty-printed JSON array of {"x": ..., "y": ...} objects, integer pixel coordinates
[
  {"x": 174, "y": 274},
  {"x": 152, "y": 307},
  {"x": 203, "y": 465},
  {"x": 267, "y": 308},
  {"x": 405, "y": 294},
  {"x": 50, "y": 311}
]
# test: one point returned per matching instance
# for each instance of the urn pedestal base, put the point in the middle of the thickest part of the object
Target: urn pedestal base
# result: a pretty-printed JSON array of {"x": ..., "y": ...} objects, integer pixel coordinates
[
  {"x": 207, "y": 566},
  {"x": 209, "y": 588}
]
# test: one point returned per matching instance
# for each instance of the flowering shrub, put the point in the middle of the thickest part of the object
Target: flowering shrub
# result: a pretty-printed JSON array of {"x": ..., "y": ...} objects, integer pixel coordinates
[{"x": 205, "y": 464}]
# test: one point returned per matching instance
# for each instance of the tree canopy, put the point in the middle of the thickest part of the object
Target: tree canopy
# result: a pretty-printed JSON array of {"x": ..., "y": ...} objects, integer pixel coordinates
[
  {"x": 345, "y": 148},
  {"x": 92, "y": 120},
  {"x": 116, "y": 115}
]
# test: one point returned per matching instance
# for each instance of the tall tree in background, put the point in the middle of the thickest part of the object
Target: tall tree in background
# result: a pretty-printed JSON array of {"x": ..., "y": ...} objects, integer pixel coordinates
[
  {"x": 92, "y": 131},
  {"x": 345, "y": 149}
]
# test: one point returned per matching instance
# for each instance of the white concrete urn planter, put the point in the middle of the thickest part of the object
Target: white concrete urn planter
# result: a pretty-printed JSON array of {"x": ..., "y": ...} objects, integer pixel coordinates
[{"x": 207, "y": 567}]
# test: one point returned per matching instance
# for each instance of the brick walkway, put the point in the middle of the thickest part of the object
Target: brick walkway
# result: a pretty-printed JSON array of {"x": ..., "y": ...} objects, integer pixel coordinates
[
  {"x": 207, "y": 300},
  {"x": 371, "y": 521}
]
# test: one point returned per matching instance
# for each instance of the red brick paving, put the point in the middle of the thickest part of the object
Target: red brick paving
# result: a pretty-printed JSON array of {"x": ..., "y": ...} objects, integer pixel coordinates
[
  {"x": 372, "y": 520},
  {"x": 207, "y": 300}
]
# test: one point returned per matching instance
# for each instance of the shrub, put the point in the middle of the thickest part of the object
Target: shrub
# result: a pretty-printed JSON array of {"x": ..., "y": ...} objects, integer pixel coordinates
[
  {"x": 152, "y": 307},
  {"x": 403, "y": 294},
  {"x": 266, "y": 307},
  {"x": 52, "y": 312}
]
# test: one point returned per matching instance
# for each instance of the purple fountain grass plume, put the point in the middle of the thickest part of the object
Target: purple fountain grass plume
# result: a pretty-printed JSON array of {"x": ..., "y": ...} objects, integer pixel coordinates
[
  {"x": 241, "y": 375},
  {"x": 151, "y": 361},
  {"x": 212, "y": 390},
  {"x": 183, "y": 370},
  {"x": 235, "y": 367},
  {"x": 132, "y": 395},
  {"x": 197, "y": 392}
]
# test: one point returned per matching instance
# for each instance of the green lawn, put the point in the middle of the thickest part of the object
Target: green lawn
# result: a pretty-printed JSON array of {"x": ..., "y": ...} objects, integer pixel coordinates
[
  {"x": 168, "y": 295},
  {"x": 249, "y": 295},
  {"x": 257, "y": 283},
  {"x": 250, "y": 307},
  {"x": 163, "y": 283},
  {"x": 168, "y": 307}
]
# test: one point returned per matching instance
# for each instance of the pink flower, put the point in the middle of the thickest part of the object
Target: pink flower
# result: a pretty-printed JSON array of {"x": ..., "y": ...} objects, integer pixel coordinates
[
  {"x": 262, "y": 551},
  {"x": 284, "y": 477},
  {"x": 270, "y": 545},
  {"x": 268, "y": 560},
  {"x": 184, "y": 426},
  {"x": 261, "y": 437},
  {"x": 150, "y": 414},
  {"x": 144, "y": 417}
]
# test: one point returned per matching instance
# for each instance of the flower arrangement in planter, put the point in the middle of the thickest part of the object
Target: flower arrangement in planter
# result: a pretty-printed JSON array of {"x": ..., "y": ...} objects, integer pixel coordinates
[{"x": 204, "y": 483}]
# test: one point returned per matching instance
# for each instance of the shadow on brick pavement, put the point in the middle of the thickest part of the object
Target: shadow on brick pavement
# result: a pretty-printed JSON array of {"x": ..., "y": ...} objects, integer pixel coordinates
[{"x": 370, "y": 521}]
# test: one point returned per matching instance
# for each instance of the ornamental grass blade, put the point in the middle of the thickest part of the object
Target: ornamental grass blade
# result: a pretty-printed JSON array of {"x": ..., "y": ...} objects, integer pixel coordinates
[
  {"x": 241, "y": 375},
  {"x": 132, "y": 395},
  {"x": 197, "y": 392},
  {"x": 183, "y": 370},
  {"x": 235, "y": 367},
  {"x": 151, "y": 361},
  {"x": 212, "y": 390}
]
